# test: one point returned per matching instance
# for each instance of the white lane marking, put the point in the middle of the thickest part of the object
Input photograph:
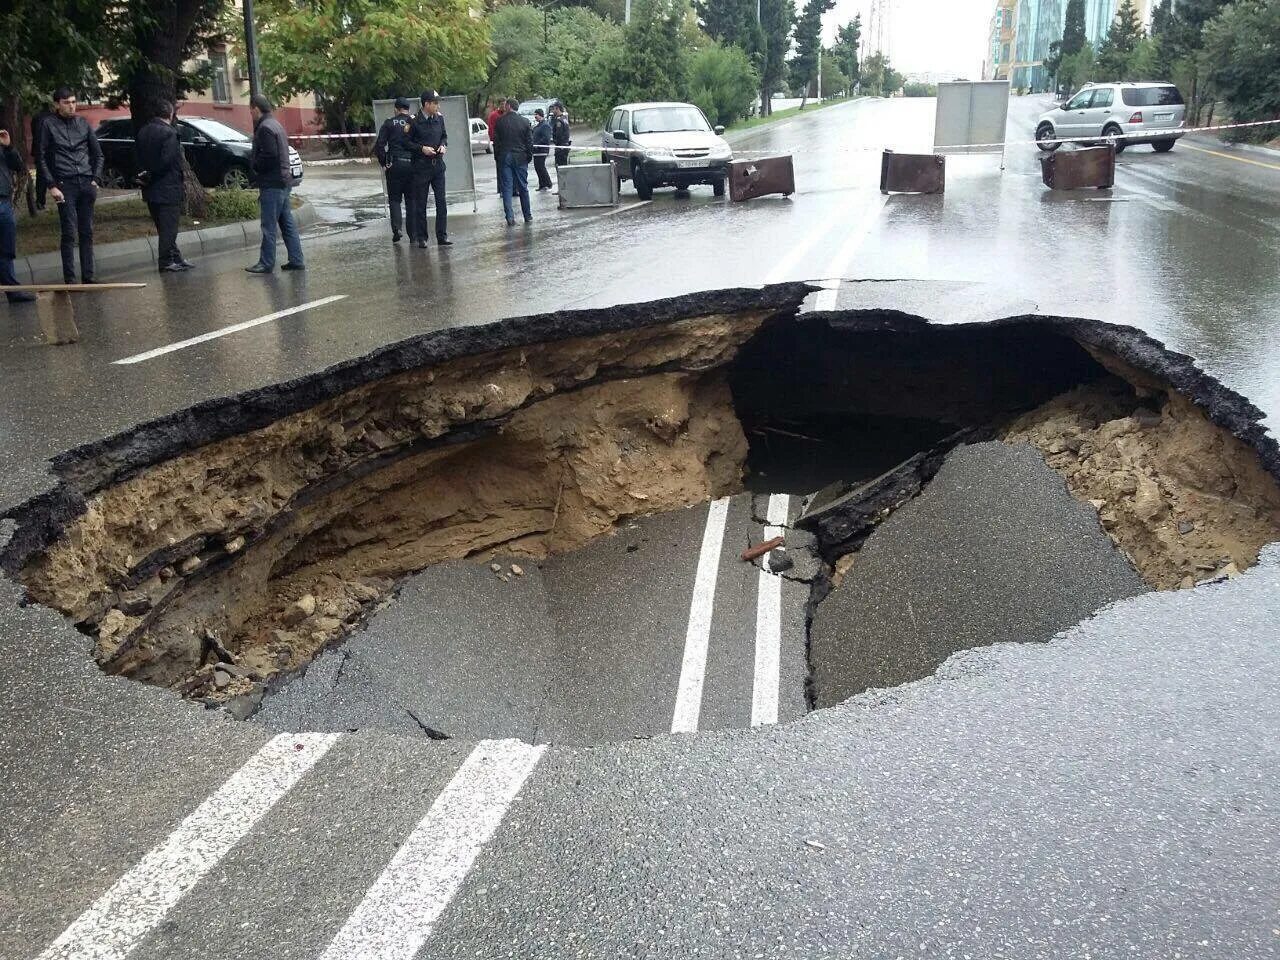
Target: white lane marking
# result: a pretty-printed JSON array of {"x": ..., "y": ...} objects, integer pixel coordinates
[
  {"x": 629, "y": 206},
  {"x": 693, "y": 669},
  {"x": 826, "y": 299},
  {"x": 395, "y": 918},
  {"x": 764, "y": 691},
  {"x": 224, "y": 331},
  {"x": 139, "y": 901},
  {"x": 784, "y": 268}
]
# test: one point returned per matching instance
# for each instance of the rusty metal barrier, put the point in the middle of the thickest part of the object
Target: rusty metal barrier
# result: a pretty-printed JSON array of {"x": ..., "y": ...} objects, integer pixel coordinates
[
  {"x": 756, "y": 178},
  {"x": 1079, "y": 169},
  {"x": 912, "y": 172}
]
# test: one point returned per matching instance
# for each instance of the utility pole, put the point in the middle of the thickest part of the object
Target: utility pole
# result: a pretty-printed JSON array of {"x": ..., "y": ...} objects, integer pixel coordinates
[
  {"x": 627, "y": 16},
  {"x": 251, "y": 50}
]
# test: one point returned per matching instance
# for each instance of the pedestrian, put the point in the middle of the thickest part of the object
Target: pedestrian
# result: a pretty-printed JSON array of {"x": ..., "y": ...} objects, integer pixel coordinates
[
  {"x": 160, "y": 172},
  {"x": 10, "y": 164},
  {"x": 513, "y": 144},
  {"x": 269, "y": 168},
  {"x": 560, "y": 133},
  {"x": 71, "y": 161},
  {"x": 37, "y": 125},
  {"x": 432, "y": 143},
  {"x": 541, "y": 148},
  {"x": 395, "y": 151},
  {"x": 494, "y": 116}
]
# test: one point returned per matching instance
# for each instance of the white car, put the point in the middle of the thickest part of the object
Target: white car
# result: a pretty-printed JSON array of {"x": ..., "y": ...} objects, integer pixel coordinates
[
  {"x": 1146, "y": 112},
  {"x": 665, "y": 145},
  {"x": 480, "y": 136}
]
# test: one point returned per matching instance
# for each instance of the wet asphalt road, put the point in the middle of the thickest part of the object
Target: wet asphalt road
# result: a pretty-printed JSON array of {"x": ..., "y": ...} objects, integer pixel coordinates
[{"x": 1113, "y": 793}]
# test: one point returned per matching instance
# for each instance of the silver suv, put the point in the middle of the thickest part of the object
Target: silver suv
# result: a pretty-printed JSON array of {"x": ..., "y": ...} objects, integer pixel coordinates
[
  {"x": 1151, "y": 113},
  {"x": 665, "y": 145}
]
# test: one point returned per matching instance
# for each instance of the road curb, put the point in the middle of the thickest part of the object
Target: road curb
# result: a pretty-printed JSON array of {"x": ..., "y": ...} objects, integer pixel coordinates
[{"x": 127, "y": 255}]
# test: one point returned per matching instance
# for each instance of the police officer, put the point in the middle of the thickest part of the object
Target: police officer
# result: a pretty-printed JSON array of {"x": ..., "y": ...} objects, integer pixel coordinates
[
  {"x": 431, "y": 143},
  {"x": 395, "y": 151},
  {"x": 560, "y": 134}
]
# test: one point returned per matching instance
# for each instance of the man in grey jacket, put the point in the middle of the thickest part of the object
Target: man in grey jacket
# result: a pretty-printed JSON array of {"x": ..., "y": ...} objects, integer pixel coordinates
[
  {"x": 70, "y": 161},
  {"x": 269, "y": 168}
]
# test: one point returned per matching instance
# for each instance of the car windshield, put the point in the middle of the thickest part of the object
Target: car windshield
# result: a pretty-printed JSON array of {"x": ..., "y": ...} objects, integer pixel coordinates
[
  {"x": 669, "y": 120},
  {"x": 1151, "y": 96},
  {"x": 527, "y": 108},
  {"x": 215, "y": 130}
]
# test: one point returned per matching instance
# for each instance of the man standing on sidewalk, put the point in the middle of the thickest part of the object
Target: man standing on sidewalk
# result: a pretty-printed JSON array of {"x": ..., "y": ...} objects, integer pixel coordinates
[
  {"x": 541, "y": 148},
  {"x": 560, "y": 135},
  {"x": 432, "y": 143},
  {"x": 514, "y": 146},
  {"x": 71, "y": 162},
  {"x": 160, "y": 166},
  {"x": 10, "y": 164},
  {"x": 269, "y": 166},
  {"x": 395, "y": 151}
]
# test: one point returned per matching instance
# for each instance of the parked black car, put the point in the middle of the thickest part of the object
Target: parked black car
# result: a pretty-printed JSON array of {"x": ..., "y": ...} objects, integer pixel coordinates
[{"x": 218, "y": 154}]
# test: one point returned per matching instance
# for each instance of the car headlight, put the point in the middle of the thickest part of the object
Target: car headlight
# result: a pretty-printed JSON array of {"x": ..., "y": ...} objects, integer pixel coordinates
[
  {"x": 659, "y": 153},
  {"x": 721, "y": 151}
]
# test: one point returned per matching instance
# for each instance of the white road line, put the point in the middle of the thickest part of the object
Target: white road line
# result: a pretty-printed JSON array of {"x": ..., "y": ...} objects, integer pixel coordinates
[
  {"x": 764, "y": 691},
  {"x": 234, "y": 328},
  {"x": 826, "y": 299},
  {"x": 785, "y": 267},
  {"x": 395, "y": 917},
  {"x": 629, "y": 206},
  {"x": 139, "y": 900},
  {"x": 694, "y": 667}
]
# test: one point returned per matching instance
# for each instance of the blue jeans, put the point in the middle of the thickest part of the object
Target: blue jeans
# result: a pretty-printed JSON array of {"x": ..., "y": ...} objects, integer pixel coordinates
[
  {"x": 513, "y": 176},
  {"x": 275, "y": 209},
  {"x": 8, "y": 244}
]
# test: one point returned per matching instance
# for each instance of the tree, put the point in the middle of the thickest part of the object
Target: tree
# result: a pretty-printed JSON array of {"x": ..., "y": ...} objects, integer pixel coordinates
[
  {"x": 778, "y": 18},
  {"x": 722, "y": 82},
  {"x": 1073, "y": 31},
  {"x": 731, "y": 22},
  {"x": 585, "y": 48},
  {"x": 879, "y": 79},
  {"x": 804, "y": 66},
  {"x": 351, "y": 52},
  {"x": 834, "y": 80},
  {"x": 1076, "y": 69},
  {"x": 1115, "y": 56},
  {"x": 654, "y": 52},
  {"x": 1241, "y": 60},
  {"x": 517, "y": 54},
  {"x": 919, "y": 90},
  {"x": 845, "y": 51}
]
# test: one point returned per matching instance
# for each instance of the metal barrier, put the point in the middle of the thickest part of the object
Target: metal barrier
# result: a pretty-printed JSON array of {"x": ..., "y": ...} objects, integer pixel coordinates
[
  {"x": 749, "y": 179},
  {"x": 587, "y": 185},
  {"x": 1078, "y": 169},
  {"x": 912, "y": 173}
]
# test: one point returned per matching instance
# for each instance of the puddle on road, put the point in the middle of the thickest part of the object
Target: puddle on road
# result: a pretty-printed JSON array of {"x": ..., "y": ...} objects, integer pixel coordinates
[{"x": 219, "y": 570}]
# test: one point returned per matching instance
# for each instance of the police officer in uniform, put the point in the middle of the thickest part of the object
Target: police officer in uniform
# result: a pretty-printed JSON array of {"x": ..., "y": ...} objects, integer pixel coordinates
[
  {"x": 395, "y": 151},
  {"x": 431, "y": 143}
]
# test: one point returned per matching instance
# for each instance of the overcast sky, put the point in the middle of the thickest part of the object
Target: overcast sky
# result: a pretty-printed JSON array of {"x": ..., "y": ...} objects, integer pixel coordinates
[{"x": 942, "y": 36}]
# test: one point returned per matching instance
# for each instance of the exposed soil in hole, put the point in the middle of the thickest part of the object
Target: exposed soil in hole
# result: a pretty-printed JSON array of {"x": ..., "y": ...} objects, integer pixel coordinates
[{"x": 232, "y": 563}]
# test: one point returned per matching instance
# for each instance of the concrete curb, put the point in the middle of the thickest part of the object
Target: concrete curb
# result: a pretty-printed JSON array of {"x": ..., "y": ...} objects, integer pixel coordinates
[{"x": 141, "y": 252}]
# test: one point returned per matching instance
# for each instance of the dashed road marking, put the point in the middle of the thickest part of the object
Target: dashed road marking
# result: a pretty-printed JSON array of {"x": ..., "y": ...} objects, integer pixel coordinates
[
  {"x": 826, "y": 299},
  {"x": 764, "y": 691},
  {"x": 139, "y": 901},
  {"x": 234, "y": 328},
  {"x": 693, "y": 669},
  {"x": 395, "y": 918}
]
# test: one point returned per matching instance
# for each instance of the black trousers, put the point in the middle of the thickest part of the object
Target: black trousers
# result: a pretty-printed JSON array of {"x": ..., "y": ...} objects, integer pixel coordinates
[
  {"x": 75, "y": 216},
  {"x": 540, "y": 164},
  {"x": 165, "y": 217},
  {"x": 400, "y": 190},
  {"x": 562, "y": 156},
  {"x": 429, "y": 177},
  {"x": 42, "y": 189}
]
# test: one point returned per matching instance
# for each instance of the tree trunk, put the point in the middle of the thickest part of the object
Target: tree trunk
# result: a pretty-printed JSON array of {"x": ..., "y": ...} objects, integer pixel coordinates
[{"x": 14, "y": 119}]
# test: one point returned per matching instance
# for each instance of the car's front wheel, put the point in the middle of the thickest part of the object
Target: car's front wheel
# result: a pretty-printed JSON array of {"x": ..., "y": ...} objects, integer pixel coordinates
[
  {"x": 1045, "y": 138},
  {"x": 236, "y": 178},
  {"x": 1114, "y": 131},
  {"x": 644, "y": 189},
  {"x": 1163, "y": 146},
  {"x": 718, "y": 187}
]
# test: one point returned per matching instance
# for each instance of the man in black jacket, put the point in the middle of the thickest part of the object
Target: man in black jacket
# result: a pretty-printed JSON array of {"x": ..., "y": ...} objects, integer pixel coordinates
[
  {"x": 513, "y": 143},
  {"x": 560, "y": 135},
  {"x": 10, "y": 164},
  {"x": 269, "y": 167},
  {"x": 160, "y": 166},
  {"x": 395, "y": 151},
  {"x": 71, "y": 161},
  {"x": 541, "y": 148},
  {"x": 432, "y": 144}
]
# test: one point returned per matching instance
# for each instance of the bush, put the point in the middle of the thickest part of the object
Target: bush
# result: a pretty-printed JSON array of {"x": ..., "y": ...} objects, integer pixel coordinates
[
  {"x": 234, "y": 204},
  {"x": 919, "y": 90},
  {"x": 722, "y": 82}
]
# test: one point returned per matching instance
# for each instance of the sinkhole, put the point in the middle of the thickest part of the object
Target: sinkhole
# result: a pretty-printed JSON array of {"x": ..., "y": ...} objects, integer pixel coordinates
[{"x": 497, "y": 530}]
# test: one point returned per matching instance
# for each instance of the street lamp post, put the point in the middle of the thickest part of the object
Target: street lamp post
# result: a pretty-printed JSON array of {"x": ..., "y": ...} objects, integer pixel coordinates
[{"x": 251, "y": 50}]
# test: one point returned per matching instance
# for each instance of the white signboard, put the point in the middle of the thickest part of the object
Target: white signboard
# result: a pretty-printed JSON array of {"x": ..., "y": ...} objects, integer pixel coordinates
[
  {"x": 971, "y": 113},
  {"x": 460, "y": 175}
]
